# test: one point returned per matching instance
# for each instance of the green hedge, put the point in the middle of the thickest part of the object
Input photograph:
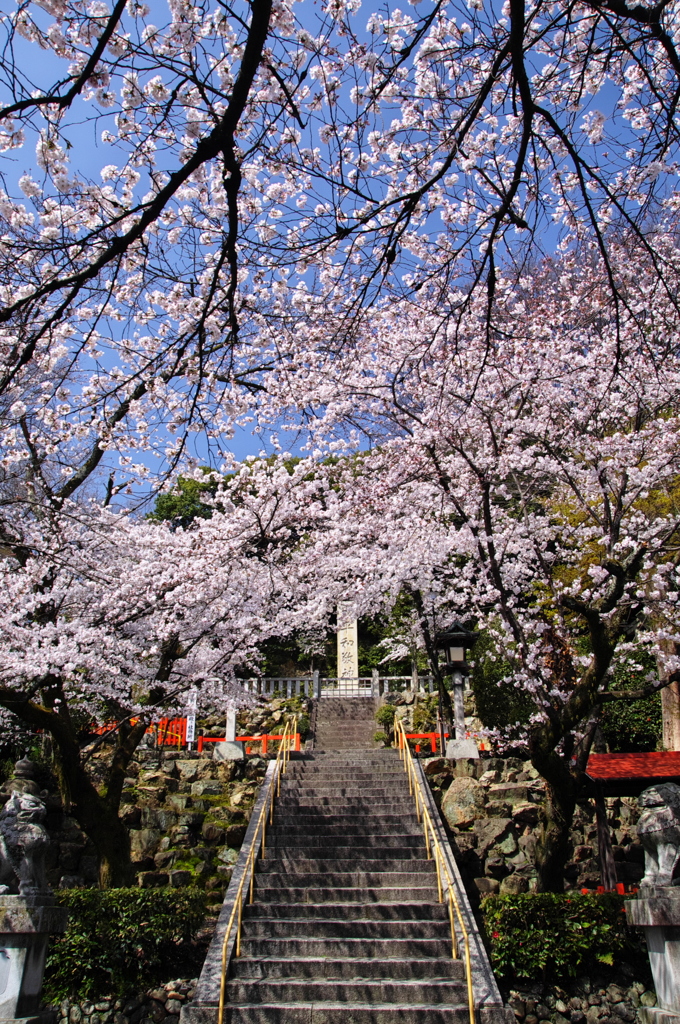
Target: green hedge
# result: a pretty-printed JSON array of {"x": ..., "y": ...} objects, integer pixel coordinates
[
  {"x": 551, "y": 936},
  {"x": 120, "y": 941}
]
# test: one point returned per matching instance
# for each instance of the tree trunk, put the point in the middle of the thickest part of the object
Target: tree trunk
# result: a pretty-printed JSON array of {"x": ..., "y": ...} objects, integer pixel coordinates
[
  {"x": 97, "y": 815},
  {"x": 557, "y": 813}
]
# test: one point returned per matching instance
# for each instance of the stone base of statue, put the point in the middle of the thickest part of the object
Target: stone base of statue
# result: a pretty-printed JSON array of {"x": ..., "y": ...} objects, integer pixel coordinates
[
  {"x": 26, "y": 922},
  {"x": 461, "y": 748},
  {"x": 229, "y": 750},
  {"x": 657, "y": 910}
]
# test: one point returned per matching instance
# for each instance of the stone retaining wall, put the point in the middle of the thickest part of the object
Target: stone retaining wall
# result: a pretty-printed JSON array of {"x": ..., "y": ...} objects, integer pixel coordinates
[
  {"x": 585, "y": 1001},
  {"x": 152, "y": 1007},
  {"x": 491, "y": 806}
]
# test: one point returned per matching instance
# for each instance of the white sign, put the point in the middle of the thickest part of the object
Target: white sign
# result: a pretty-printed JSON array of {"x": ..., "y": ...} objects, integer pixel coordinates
[
  {"x": 348, "y": 645},
  {"x": 191, "y": 715}
]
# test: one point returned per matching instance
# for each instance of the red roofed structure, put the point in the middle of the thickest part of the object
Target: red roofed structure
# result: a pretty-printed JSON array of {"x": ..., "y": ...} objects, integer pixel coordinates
[{"x": 629, "y": 774}]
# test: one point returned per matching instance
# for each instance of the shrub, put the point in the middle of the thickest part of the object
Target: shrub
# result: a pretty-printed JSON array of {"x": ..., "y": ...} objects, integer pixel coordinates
[
  {"x": 425, "y": 713},
  {"x": 385, "y": 715},
  {"x": 121, "y": 941},
  {"x": 381, "y": 737},
  {"x": 552, "y": 936}
]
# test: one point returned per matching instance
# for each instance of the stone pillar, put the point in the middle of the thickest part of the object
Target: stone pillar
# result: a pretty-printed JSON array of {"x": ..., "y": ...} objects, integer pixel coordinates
[
  {"x": 657, "y": 911},
  {"x": 459, "y": 705},
  {"x": 461, "y": 746},
  {"x": 348, "y": 645},
  {"x": 26, "y": 923},
  {"x": 230, "y": 750},
  {"x": 375, "y": 683},
  {"x": 670, "y": 710},
  {"x": 230, "y": 734}
]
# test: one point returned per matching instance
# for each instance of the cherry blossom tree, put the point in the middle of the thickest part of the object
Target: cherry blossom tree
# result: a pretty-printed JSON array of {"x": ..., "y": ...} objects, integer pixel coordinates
[
  {"x": 266, "y": 164},
  {"x": 530, "y": 483},
  {"x": 110, "y": 620}
]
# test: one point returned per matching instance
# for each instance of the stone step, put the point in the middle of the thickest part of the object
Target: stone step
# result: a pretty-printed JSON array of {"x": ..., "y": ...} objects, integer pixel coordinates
[
  {"x": 343, "y": 1013},
  {"x": 345, "y": 967},
  {"x": 313, "y": 772},
  {"x": 371, "y": 861},
  {"x": 369, "y": 759},
  {"x": 327, "y": 789},
  {"x": 435, "y": 947},
  {"x": 355, "y": 826},
  {"x": 351, "y": 841},
  {"x": 407, "y": 992},
  {"x": 334, "y": 802},
  {"x": 414, "y": 904},
  {"x": 352, "y": 822},
  {"x": 348, "y": 879},
  {"x": 281, "y": 927}
]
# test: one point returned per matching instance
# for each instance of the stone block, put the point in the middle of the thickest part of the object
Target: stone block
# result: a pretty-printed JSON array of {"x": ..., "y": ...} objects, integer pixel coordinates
[
  {"x": 525, "y": 814},
  {"x": 235, "y": 834},
  {"x": 510, "y": 792},
  {"x": 208, "y": 787},
  {"x": 188, "y": 770},
  {"x": 227, "y": 856},
  {"x": 461, "y": 748},
  {"x": 487, "y": 885},
  {"x": 212, "y": 833},
  {"x": 180, "y": 877},
  {"x": 463, "y": 802},
  {"x": 153, "y": 879},
  {"x": 513, "y": 885},
  {"x": 144, "y": 843},
  {"x": 229, "y": 751},
  {"x": 178, "y": 802},
  {"x": 490, "y": 832}
]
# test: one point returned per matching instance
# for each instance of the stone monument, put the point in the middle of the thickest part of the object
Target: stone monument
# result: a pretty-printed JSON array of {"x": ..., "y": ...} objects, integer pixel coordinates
[
  {"x": 230, "y": 750},
  {"x": 657, "y": 907},
  {"x": 27, "y": 912}
]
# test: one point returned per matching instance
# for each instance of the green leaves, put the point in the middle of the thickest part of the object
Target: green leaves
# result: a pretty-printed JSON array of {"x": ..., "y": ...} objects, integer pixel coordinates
[
  {"x": 121, "y": 940},
  {"x": 557, "y": 935}
]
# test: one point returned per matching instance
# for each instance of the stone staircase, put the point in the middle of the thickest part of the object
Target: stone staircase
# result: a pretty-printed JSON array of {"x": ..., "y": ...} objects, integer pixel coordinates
[
  {"x": 345, "y": 723},
  {"x": 346, "y": 922},
  {"x": 345, "y": 927}
]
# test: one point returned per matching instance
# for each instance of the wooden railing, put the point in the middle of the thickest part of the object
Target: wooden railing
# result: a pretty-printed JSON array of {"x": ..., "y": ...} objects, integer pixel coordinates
[
  {"x": 257, "y": 848},
  {"x": 445, "y": 885}
]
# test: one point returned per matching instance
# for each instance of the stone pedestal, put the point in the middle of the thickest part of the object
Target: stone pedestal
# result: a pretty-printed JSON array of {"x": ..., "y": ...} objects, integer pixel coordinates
[
  {"x": 657, "y": 910},
  {"x": 461, "y": 748},
  {"x": 229, "y": 751},
  {"x": 26, "y": 922}
]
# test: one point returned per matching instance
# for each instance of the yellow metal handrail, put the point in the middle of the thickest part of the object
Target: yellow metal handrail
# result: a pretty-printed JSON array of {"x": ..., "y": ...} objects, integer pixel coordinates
[
  {"x": 434, "y": 848},
  {"x": 267, "y": 810}
]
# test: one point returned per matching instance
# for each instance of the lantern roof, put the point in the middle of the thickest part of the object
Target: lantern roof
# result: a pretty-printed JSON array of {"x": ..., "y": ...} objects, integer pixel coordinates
[{"x": 457, "y": 635}]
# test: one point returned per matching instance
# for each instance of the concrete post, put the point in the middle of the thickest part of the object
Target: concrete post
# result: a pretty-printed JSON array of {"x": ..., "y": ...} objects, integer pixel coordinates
[{"x": 375, "y": 683}]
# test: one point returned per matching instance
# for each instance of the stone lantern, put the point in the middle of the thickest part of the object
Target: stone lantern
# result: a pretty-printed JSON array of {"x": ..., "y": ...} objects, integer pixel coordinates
[
  {"x": 28, "y": 914},
  {"x": 454, "y": 643}
]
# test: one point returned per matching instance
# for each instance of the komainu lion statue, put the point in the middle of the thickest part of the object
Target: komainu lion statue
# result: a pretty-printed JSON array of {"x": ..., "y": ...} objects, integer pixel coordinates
[
  {"x": 23, "y": 845},
  {"x": 659, "y": 831}
]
